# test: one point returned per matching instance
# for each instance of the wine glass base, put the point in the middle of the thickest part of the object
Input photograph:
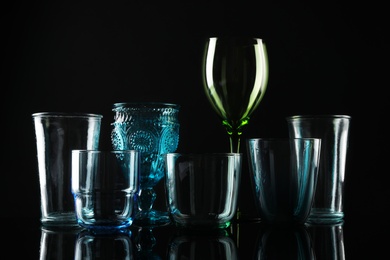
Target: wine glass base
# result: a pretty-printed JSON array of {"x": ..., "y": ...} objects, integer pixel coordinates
[{"x": 151, "y": 218}]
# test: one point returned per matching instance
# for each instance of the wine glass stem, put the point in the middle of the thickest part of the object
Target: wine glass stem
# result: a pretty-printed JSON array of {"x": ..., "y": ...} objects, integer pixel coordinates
[{"x": 234, "y": 143}]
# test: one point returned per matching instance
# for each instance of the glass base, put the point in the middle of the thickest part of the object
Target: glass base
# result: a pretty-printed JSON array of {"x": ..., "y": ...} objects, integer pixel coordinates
[
  {"x": 325, "y": 216},
  {"x": 60, "y": 221},
  {"x": 151, "y": 218}
]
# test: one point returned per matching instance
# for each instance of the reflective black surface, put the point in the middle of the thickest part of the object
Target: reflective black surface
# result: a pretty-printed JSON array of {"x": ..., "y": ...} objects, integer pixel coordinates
[
  {"x": 86, "y": 56},
  {"x": 26, "y": 239}
]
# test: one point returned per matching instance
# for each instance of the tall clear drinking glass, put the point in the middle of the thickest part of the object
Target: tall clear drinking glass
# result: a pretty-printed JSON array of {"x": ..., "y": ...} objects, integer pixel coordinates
[
  {"x": 57, "y": 134},
  {"x": 334, "y": 131}
]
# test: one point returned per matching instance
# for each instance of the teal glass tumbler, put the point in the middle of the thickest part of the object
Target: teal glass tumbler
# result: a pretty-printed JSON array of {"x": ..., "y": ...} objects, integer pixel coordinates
[{"x": 284, "y": 177}]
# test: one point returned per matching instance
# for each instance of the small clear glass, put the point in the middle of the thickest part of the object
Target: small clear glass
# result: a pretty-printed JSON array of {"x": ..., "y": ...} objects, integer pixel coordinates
[
  {"x": 202, "y": 189},
  {"x": 104, "y": 185},
  {"x": 284, "y": 177}
]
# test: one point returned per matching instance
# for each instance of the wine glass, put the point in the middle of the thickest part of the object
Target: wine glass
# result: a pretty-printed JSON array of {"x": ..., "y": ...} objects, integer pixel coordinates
[
  {"x": 153, "y": 129},
  {"x": 235, "y": 74}
]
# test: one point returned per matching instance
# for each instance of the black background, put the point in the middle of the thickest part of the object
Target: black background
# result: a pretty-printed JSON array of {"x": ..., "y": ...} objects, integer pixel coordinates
[{"x": 85, "y": 56}]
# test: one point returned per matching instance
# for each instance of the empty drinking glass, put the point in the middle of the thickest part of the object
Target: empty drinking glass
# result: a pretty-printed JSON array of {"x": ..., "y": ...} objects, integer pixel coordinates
[{"x": 284, "y": 177}]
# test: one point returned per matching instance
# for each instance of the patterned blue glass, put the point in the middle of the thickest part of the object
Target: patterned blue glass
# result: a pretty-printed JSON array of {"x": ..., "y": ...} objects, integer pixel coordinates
[{"x": 152, "y": 129}]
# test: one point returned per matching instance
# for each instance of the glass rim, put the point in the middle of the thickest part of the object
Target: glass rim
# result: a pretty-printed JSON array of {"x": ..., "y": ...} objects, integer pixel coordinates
[
  {"x": 219, "y": 154},
  {"x": 312, "y": 116},
  {"x": 82, "y": 151},
  {"x": 281, "y": 139},
  {"x": 145, "y": 104},
  {"x": 235, "y": 37},
  {"x": 67, "y": 115}
]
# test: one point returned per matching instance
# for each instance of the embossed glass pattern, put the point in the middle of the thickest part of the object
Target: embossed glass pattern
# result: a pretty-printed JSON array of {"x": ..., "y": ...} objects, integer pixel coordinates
[{"x": 153, "y": 129}]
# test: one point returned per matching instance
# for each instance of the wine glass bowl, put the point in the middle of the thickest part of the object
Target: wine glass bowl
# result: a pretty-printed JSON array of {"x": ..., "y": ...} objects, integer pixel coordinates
[
  {"x": 235, "y": 77},
  {"x": 153, "y": 129}
]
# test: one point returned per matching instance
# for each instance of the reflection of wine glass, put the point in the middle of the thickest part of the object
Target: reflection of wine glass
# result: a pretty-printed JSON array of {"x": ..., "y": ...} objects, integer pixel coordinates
[
  {"x": 152, "y": 129},
  {"x": 235, "y": 74}
]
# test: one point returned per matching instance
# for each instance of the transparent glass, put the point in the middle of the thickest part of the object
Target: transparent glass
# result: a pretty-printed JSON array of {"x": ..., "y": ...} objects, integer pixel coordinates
[
  {"x": 104, "y": 246},
  {"x": 211, "y": 245},
  {"x": 57, "y": 134},
  {"x": 57, "y": 243},
  {"x": 327, "y": 240},
  {"x": 334, "y": 131},
  {"x": 281, "y": 242},
  {"x": 202, "y": 189},
  {"x": 153, "y": 129},
  {"x": 235, "y": 76},
  {"x": 104, "y": 185},
  {"x": 284, "y": 177}
]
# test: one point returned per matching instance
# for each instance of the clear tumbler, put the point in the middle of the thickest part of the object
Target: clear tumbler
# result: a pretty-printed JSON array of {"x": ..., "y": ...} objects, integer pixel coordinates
[
  {"x": 56, "y": 135},
  {"x": 333, "y": 131}
]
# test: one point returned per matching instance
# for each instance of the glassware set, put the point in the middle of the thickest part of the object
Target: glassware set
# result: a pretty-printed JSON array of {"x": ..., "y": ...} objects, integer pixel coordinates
[{"x": 112, "y": 190}]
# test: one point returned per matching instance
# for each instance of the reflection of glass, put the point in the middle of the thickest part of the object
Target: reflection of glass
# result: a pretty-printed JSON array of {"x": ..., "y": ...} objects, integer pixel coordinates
[
  {"x": 235, "y": 74},
  {"x": 58, "y": 244},
  {"x": 198, "y": 245},
  {"x": 145, "y": 242},
  {"x": 328, "y": 241},
  {"x": 152, "y": 129},
  {"x": 104, "y": 246},
  {"x": 284, "y": 242}
]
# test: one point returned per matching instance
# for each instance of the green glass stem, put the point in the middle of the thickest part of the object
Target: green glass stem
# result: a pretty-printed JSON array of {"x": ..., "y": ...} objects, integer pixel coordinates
[
  {"x": 235, "y": 141},
  {"x": 234, "y": 130}
]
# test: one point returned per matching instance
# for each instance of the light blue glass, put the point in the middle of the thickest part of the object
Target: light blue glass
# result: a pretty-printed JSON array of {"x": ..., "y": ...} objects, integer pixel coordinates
[
  {"x": 153, "y": 129},
  {"x": 284, "y": 176}
]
